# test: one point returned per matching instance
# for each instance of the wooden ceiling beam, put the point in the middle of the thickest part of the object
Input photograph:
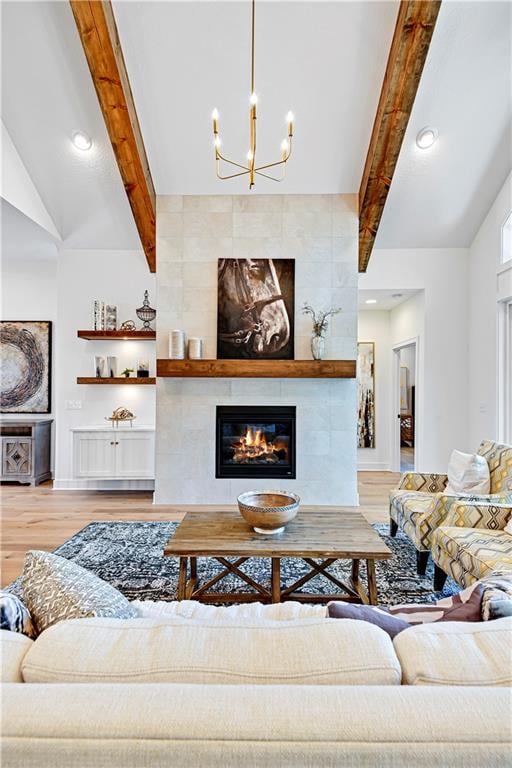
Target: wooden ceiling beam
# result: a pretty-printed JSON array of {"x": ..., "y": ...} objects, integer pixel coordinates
[
  {"x": 100, "y": 40},
  {"x": 411, "y": 40}
]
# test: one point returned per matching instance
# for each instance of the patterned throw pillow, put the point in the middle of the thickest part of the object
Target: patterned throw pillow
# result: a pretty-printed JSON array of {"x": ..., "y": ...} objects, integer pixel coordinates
[
  {"x": 466, "y": 606},
  {"x": 373, "y": 615},
  {"x": 14, "y": 616},
  {"x": 55, "y": 589},
  {"x": 497, "y": 599}
]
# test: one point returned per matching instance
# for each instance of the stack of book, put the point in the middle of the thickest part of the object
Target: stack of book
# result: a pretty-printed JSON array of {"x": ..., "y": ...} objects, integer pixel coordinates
[{"x": 104, "y": 316}]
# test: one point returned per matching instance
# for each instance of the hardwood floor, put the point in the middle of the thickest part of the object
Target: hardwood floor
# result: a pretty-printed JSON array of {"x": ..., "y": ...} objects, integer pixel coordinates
[{"x": 41, "y": 518}]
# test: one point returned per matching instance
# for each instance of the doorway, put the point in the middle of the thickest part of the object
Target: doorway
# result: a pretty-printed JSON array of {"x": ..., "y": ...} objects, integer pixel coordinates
[{"x": 405, "y": 412}]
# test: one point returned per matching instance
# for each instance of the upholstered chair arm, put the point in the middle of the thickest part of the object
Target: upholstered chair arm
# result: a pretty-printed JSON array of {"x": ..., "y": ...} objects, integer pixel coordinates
[
  {"x": 424, "y": 482},
  {"x": 493, "y": 515}
]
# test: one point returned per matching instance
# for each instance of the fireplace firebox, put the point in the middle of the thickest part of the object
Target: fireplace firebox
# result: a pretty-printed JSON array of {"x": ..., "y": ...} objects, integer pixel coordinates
[{"x": 255, "y": 441}]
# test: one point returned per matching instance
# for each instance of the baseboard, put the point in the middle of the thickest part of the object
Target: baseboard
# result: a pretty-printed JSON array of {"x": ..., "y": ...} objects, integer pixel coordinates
[
  {"x": 374, "y": 466},
  {"x": 75, "y": 484}
]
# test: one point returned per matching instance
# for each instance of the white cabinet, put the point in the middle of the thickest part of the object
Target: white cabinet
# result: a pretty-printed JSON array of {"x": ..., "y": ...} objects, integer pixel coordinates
[{"x": 124, "y": 454}]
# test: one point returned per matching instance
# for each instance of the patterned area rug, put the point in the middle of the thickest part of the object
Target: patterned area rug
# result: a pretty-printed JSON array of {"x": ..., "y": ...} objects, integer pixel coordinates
[{"x": 129, "y": 556}]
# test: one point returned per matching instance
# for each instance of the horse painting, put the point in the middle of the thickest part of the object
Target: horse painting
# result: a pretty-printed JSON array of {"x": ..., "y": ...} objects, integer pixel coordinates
[{"x": 255, "y": 308}]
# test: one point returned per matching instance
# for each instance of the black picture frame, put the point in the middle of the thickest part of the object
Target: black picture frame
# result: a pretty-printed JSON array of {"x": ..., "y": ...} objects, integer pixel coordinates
[{"x": 256, "y": 309}]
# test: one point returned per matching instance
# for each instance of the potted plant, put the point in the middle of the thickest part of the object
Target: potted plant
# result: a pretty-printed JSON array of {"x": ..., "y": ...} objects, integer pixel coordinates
[
  {"x": 126, "y": 373},
  {"x": 320, "y": 326}
]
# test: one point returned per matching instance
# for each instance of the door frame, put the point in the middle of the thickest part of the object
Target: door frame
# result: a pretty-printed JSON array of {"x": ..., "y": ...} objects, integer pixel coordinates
[{"x": 395, "y": 403}]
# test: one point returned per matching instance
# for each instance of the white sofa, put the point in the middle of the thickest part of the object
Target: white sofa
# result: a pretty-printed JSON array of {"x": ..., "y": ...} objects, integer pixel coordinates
[{"x": 255, "y": 687}]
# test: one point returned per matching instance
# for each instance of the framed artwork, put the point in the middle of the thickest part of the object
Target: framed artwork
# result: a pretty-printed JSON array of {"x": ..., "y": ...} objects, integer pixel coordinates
[
  {"x": 366, "y": 394},
  {"x": 255, "y": 309},
  {"x": 26, "y": 362},
  {"x": 404, "y": 388}
]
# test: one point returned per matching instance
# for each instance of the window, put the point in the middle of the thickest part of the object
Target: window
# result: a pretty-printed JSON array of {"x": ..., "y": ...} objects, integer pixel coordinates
[{"x": 506, "y": 241}]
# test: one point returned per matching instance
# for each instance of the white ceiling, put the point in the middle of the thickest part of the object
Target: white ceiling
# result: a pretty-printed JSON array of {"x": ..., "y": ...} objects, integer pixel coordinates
[
  {"x": 323, "y": 60},
  {"x": 386, "y": 300},
  {"x": 22, "y": 239},
  {"x": 47, "y": 94},
  {"x": 440, "y": 196}
]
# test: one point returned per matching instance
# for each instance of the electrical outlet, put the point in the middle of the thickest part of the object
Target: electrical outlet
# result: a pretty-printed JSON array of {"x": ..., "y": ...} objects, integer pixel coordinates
[
  {"x": 73, "y": 405},
  {"x": 483, "y": 408}
]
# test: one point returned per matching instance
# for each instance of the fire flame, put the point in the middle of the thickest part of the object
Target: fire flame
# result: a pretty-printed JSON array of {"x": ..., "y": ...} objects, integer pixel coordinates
[{"x": 254, "y": 445}]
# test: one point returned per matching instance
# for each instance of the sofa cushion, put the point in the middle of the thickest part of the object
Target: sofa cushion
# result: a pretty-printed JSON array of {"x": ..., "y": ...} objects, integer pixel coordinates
[
  {"x": 13, "y": 647},
  {"x": 55, "y": 589},
  {"x": 308, "y": 651},
  {"x": 471, "y": 551},
  {"x": 456, "y": 653},
  {"x": 412, "y": 510}
]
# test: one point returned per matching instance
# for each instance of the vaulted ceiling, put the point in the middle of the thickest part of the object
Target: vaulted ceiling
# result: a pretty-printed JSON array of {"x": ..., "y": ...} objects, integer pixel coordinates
[{"x": 323, "y": 60}]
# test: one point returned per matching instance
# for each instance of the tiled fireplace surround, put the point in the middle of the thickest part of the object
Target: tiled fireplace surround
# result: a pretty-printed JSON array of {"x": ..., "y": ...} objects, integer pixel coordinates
[{"x": 318, "y": 231}]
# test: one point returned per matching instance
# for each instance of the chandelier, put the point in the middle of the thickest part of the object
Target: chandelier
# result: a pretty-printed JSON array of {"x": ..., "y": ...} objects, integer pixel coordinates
[{"x": 251, "y": 169}]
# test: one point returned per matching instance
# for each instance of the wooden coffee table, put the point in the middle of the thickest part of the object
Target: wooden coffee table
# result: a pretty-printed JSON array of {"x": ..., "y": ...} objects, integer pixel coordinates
[{"x": 317, "y": 537}]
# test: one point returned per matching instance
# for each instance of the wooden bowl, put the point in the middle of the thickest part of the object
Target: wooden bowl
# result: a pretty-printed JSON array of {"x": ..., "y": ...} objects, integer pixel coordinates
[{"x": 268, "y": 511}]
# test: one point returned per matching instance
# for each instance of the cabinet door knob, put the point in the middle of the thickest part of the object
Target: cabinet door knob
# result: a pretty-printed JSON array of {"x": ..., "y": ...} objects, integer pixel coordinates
[{"x": 112, "y": 443}]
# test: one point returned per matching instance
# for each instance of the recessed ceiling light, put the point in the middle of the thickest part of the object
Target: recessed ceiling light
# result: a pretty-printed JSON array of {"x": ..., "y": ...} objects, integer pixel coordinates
[
  {"x": 370, "y": 301},
  {"x": 81, "y": 141},
  {"x": 426, "y": 137}
]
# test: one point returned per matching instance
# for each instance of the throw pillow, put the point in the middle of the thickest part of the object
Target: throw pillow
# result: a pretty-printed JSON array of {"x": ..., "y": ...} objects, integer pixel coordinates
[
  {"x": 379, "y": 616},
  {"x": 497, "y": 598},
  {"x": 55, "y": 589},
  {"x": 465, "y": 606},
  {"x": 468, "y": 475},
  {"x": 14, "y": 616}
]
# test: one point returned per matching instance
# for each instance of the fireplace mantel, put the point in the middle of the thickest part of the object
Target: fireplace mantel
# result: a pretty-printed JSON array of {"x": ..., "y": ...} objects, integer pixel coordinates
[{"x": 257, "y": 369}]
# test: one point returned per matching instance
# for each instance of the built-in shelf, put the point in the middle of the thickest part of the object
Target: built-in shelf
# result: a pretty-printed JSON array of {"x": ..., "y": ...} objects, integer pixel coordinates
[
  {"x": 116, "y": 380},
  {"x": 257, "y": 369},
  {"x": 113, "y": 335}
]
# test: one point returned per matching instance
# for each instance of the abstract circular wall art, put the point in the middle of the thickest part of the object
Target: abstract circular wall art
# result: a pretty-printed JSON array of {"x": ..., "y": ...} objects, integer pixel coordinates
[{"x": 25, "y": 364}]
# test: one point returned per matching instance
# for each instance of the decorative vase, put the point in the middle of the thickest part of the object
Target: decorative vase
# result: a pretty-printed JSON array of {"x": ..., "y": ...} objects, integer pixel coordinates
[
  {"x": 317, "y": 347},
  {"x": 112, "y": 367},
  {"x": 177, "y": 345},
  {"x": 195, "y": 348}
]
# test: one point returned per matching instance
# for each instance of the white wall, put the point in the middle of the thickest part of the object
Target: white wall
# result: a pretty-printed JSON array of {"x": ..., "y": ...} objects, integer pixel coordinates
[
  {"x": 485, "y": 286},
  {"x": 320, "y": 233},
  {"x": 443, "y": 340},
  {"x": 375, "y": 326},
  {"x": 119, "y": 277}
]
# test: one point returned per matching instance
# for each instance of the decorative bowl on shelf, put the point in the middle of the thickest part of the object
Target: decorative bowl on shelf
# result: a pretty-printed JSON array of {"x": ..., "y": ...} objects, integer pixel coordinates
[{"x": 268, "y": 511}]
